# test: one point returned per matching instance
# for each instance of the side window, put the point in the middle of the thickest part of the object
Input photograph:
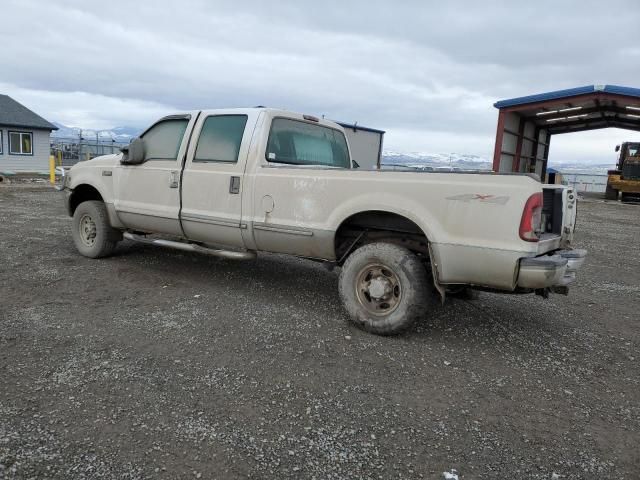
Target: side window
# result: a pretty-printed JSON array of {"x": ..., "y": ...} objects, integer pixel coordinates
[
  {"x": 20, "y": 143},
  {"x": 300, "y": 143},
  {"x": 162, "y": 141},
  {"x": 220, "y": 139}
]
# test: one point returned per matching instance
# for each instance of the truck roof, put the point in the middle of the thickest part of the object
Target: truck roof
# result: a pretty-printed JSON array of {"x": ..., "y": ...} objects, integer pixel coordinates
[{"x": 272, "y": 111}]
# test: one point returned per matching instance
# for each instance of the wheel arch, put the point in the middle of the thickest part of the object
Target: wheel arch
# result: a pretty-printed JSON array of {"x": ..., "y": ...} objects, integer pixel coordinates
[
  {"x": 369, "y": 225},
  {"x": 82, "y": 193}
]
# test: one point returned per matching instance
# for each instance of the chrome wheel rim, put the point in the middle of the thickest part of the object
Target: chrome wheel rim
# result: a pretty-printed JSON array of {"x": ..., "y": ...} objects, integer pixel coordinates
[
  {"x": 378, "y": 289},
  {"x": 87, "y": 230}
]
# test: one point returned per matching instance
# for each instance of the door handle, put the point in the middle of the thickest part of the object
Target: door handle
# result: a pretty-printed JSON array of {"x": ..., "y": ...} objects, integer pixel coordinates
[
  {"x": 174, "y": 179},
  {"x": 234, "y": 185}
]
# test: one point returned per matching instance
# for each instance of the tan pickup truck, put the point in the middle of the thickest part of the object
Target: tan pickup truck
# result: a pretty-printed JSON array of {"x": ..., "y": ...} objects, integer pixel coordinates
[{"x": 235, "y": 182}]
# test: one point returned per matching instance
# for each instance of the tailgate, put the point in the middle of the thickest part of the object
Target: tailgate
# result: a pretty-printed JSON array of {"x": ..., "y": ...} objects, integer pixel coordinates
[{"x": 559, "y": 214}]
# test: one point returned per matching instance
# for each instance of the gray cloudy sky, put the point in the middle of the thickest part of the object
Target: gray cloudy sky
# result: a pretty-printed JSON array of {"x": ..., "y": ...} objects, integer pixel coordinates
[{"x": 426, "y": 72}]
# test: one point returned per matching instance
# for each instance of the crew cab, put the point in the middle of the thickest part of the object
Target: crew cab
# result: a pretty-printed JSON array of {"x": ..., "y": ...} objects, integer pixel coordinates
[{"x": 235, "y": 182}]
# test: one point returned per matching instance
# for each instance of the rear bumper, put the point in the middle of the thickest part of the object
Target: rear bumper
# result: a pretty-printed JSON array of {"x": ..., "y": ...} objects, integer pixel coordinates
[{"x": 559, "y": 269}]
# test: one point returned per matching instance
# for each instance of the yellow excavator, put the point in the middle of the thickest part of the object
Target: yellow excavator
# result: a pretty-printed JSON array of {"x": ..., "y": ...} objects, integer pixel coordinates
[{"x": 625, "y": 179}]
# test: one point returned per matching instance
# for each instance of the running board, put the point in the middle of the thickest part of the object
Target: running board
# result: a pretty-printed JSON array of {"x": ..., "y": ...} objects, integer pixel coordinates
[{"x": 191, "y": 247}]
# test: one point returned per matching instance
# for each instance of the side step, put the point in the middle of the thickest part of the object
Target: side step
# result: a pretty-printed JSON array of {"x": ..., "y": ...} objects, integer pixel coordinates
[{"x": 191, "y": 247}]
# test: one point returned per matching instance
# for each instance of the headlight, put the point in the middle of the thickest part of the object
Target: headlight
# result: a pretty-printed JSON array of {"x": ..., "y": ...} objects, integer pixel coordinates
[{"x": 61, "y": 178}]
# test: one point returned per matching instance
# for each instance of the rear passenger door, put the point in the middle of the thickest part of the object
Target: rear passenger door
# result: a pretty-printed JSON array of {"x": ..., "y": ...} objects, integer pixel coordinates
[{"x": 213, "y": 177}]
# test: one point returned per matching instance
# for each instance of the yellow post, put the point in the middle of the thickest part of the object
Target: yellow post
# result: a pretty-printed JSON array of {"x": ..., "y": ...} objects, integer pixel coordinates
[
  {"x": 52, "y": 169},
  {"x": 59, "y": 159}
]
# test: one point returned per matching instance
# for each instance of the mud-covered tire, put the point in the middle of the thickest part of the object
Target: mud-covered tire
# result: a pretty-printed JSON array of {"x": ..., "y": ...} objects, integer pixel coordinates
[
  {"x": 92, "y": 234},
  {"x": 366, "y": 278},
  {"x": 628, "y": 197}
]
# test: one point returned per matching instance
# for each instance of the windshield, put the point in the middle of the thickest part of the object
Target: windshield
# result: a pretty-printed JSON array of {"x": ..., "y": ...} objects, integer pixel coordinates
[{"x": 633, "y": 149}]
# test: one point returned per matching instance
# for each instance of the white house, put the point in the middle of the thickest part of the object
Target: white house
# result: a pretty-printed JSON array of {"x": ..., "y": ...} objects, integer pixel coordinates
[{"x": 24, "y": 138}]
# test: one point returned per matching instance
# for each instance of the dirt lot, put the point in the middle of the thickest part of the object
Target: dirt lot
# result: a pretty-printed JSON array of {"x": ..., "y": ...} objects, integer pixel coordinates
[{"x": 161, "y": 364}]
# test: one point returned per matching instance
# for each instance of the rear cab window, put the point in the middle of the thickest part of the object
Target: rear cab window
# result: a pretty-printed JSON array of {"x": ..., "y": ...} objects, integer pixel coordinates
[{"x": 294, "y": 142}]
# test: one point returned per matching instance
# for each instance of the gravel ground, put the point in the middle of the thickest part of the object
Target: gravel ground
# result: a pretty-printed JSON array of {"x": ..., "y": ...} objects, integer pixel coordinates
[{"x": 160, "y": 364}]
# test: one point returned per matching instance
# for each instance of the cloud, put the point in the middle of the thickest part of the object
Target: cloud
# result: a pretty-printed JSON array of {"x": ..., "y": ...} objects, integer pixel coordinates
[
  {"x": 427, "y": 73},
  {"x": 87, "y": 110}
]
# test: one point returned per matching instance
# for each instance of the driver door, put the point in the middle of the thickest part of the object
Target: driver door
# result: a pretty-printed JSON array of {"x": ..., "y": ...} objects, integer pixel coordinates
[{"x": 147, "y": 196}]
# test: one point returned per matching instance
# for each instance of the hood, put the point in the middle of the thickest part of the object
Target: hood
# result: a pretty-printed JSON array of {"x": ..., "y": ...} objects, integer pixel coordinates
[{"x": 101, "y": 161}]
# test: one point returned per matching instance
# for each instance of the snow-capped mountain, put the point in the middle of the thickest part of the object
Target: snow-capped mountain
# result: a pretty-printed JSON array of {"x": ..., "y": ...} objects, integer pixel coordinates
[
  {"x": 422, "y": 160},
  {"x": 582, "y": 168},
  {"x": 119, "y": 134},
  {"x": 460, "y": 161}
]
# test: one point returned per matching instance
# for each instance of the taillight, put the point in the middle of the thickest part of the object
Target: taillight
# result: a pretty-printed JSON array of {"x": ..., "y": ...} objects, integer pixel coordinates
[{"x": 531, "y": 218}]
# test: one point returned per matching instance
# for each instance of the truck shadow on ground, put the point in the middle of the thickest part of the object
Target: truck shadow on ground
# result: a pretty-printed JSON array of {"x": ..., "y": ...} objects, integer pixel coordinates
[{"x": 287, "y": 280}]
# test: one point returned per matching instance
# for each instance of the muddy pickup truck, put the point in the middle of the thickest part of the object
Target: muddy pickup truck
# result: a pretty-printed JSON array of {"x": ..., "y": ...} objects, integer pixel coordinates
[{"x": 235, "y": 182}]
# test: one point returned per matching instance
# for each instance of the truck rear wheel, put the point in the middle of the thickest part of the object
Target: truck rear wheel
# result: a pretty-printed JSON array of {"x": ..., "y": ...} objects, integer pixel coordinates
[
  {"x": 385, "y": 288},
  {"x": 92, "y": 234}
]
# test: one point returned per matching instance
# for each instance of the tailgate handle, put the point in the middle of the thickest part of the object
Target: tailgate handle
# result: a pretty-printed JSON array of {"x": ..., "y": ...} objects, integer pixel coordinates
[{"x": 234, "y": 185}]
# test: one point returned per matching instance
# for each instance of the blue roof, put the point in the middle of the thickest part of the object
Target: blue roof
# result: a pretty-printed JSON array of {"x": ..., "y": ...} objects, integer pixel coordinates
[{"x": 567, "y": 93}]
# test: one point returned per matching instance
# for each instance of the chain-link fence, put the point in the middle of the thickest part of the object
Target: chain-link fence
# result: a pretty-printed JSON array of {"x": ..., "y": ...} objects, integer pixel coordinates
[{"x": 70, "y": 151}]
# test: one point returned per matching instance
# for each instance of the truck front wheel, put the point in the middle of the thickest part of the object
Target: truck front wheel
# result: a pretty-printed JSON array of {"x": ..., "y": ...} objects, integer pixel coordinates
[
  {"x": 92, "y": 234},
  {"x": 385, "y": 288}
]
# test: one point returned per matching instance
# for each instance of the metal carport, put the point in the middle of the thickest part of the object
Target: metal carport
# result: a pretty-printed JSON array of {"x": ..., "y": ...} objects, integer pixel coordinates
[{"x": 526, "y": 124}]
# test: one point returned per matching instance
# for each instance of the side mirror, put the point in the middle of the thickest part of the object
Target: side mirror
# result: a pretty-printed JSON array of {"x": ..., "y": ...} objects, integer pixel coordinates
[
  {"x": 617, "y": 148},
  {"x": 133, "y": 154}
]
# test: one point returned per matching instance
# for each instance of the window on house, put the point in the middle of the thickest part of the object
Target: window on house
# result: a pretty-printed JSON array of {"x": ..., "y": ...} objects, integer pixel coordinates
[
  {"x": 301, "y": 143},
  {"x": 163, "y": 140},
  {"x": 1, "y": 142},
  {"x": 20, "y": 143},
  {"x": 220, "y": 139}
]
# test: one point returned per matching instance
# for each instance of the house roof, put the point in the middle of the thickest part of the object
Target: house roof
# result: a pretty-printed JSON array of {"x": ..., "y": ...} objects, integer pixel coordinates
[
  {"x": 568, "y": 93},
  {"x": 578, "y": 109},
  {"x": 15, "y": 114}
]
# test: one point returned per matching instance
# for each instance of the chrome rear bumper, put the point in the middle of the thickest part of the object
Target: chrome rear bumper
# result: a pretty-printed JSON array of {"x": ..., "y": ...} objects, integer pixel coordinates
[{"x": 559, "y": 269}]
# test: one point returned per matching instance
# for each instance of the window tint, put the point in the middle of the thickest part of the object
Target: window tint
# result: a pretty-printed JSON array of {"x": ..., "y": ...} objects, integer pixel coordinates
[
  {"x": 301, "y": 143},
  {"x": 220, "y": 139},
  {"x": 20, "y": 143},
  {"x": 163, "y": 140}
]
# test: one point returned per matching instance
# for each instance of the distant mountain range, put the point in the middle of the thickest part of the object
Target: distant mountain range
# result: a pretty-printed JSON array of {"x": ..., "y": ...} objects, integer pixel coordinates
[
  {"x": 459, "y": 161},
  {"x": 119, "y": 134},
  {"x": 417, "y": 160},
  {"x": 581, "y": 168}
]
